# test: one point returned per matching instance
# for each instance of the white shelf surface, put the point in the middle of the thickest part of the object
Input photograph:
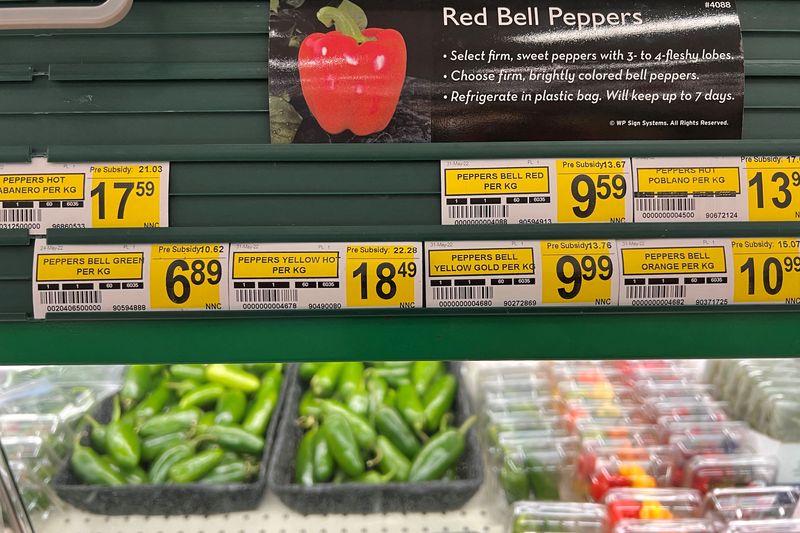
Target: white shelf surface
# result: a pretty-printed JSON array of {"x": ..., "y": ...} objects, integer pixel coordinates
[{"x": 482, "y": 514}]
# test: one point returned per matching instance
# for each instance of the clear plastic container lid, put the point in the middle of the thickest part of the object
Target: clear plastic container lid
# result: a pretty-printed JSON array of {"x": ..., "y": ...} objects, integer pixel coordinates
[
  {"x": 655, "y": 391},
  {"x": 665, "y": 526},
  {"x": 537, "y": 437},
  {"x": 756, "y": 503},
  {"x": 778, "y": 416},
  {"x": 603, "y": 412},
  {"x": 517, "y": 385},
  {"x": 680, "y": 409},
  {"x": 594, "y": 454},
  {"x": 530, "y": 406},
  {"x": 753, "y": 387},
  {"x": 674, "y": 431},
  {"x": 612, "y": 474},
  {"x": 562, "y": 517},
  {"x": 686, "y": 448},
  {"x": 764, "y": 526},
  {"x": 540, "y": 473},
  {"x": 652, "y": 504},
  {"x": 643, "y": 434},
  {"x": 601, "y": 390},
  {"x": 708, "y": 472}
]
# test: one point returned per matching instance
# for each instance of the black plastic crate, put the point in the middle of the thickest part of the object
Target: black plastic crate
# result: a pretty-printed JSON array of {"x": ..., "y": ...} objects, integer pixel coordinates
[
  {"x": 429, "y": 496},
  {"x": 191, "y": 498}
]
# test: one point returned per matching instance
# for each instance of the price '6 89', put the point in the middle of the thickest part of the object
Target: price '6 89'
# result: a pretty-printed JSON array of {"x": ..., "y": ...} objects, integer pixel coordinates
[{"x": 181, "y": 275}]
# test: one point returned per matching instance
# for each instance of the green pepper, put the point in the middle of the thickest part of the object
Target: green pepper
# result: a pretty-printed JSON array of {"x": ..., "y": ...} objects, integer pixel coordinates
[
  {"x": 225, "y": 474},
  {"x": 231, "y": 407},
  {"x": 304, "y": 462},
  {"x": 184, "y": 387},
  {"x": 97, "y": 435},
  {"x": 236, "y": 439},
  {"x": 394, "y": 376},
  {"x": 450, "y": 475},
  {"x": 440, "y": 453},
  {"x": 159, "y": 471},
  {"x": 364, "y": 432},
  {"x": 122, "y": 442},
  {"x": 391, "y": 398},
  {"x": 153, "y": 447},
  {"x": 197, "y": 466},
  {"x": 260, "y": 368},
  {"x": 92, "y": 468},
  {"x": 135, "y": 476},
  {"x": 358, "y": 402},
  {"x": 260, "y": 411},
  {"x": 324, "y": 381},
  {"x": 350, "y": 377},
  {"x": 171, "y": 422},
  {"x": 135, "y": 385},
  {"x": 423, "y": 373},
  {"x": 439, "y": 399},
  {"x": 194, "y": 372},
  {"x": 323, "y": 460},
  {"x": 371, "y": 477},
  {"x": 309, "y": 407},
  {"x": 377, "y": 389},
  {"x": 514, "y": 480},
  {"x": 206, "y": 421},
  {"x": 543, "y": 482},
  {"x": 342, "y": 444},
  {"x": 232, "y": 377},
  {"x": 391, "y": 459},
  {"x": 307, "y": 370},
  {"x": 390, "y": 424},
  {"x": 393, "y": 364},
  {"x": 410, "y": 406},
  {"x": 202, "y": 396},
  {"x": 154, "y": 402}
]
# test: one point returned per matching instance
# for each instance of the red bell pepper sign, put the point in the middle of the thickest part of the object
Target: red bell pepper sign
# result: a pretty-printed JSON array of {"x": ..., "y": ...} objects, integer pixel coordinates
[{"x": 352, "y": 77}]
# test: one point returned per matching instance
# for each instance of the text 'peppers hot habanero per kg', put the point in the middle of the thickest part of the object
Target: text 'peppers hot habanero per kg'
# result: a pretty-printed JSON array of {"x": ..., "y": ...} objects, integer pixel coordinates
[{"x": 352, "y": 77}]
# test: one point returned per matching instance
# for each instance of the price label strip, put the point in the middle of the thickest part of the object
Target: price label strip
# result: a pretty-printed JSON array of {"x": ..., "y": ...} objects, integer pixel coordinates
[
  {"x": 579, "y": 273},
  {"x": 535, "y": 191},
  {"x": 773, "y": 188},
  {"x": 188, "y": 277},
  {"x": 287, "y": 276},
  {"x": 70, "y": 279},
  {"x": 41, "y": 195},
  {"x": 482, "y": 274},
  {"x": 383, "y": 274},
  {"x": 676, "y": 272},
  {"x": 766, "y": 271}
]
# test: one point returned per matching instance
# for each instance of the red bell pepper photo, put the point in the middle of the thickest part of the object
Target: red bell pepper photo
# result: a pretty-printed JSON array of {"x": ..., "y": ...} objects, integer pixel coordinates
[{"x": 352, "y": 77}]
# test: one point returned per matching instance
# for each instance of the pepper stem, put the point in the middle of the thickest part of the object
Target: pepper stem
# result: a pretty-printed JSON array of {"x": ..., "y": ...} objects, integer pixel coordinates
[
  {"x": 344, "y": 23},
  {"x": 375, "y": 460},
  {"x": 468, "y": 423}
]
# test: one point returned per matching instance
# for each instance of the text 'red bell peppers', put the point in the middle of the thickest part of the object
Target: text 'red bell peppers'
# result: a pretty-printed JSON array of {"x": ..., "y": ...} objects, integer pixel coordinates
[{"x": 352, "y": 77}]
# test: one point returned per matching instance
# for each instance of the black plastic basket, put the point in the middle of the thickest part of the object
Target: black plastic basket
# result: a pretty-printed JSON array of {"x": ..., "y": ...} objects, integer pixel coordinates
[
  {"x": 192, "y": 498},
  {"x": 429, "y": 496}
]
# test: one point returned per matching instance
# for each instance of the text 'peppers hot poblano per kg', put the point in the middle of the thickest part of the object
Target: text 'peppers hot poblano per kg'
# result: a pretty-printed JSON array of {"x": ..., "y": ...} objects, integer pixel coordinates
[{"x": 352, "y": 77}]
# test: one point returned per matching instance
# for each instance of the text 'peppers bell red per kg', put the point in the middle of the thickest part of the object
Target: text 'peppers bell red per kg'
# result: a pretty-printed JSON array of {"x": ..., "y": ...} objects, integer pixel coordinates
[{"x": 352, "y": 77}]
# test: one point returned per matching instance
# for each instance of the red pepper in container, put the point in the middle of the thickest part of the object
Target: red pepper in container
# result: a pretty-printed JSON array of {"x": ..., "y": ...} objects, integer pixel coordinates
[{"x": 352, "y": 77}]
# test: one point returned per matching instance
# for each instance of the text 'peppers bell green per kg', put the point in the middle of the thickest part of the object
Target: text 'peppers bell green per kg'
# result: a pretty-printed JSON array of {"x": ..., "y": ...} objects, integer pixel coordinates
[{"x": 352, "y": 77}]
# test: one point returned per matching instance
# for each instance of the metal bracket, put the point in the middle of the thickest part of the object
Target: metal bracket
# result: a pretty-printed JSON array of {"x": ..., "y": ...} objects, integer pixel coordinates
[{"x": 33, "y": 18}]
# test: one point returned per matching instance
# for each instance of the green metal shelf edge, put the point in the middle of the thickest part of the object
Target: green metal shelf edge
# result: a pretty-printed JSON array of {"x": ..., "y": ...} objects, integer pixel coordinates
[
  {"x": 420, "y": 233},
  {"x": 706, "y": 334},
  {"x": 431, "y": 151}
]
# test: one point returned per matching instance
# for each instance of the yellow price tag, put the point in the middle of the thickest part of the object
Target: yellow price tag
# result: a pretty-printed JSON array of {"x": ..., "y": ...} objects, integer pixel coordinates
[
  {"x": 125, "y": 196},
  {"x": 577, "y": 272},
  {"x": 382, "y": 275},
  {"x": 187, "y": 276},
  {"x": 591, "y": 190},
  {"x": 766, "y": 270},
  {"x": 773, "y": 185}
]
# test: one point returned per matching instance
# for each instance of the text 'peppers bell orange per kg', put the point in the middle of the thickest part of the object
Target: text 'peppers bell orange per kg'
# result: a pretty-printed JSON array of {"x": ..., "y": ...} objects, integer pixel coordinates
[{"x": 352, "y": 77}]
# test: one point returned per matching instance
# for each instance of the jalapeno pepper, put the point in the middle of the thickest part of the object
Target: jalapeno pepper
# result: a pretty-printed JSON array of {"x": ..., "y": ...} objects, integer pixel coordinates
[
  {"x": 324, "y": 382},
  {"x": 371, "y": 477},
  {"x": 260, "y": 412},
  {"x": 440, "y": 453},
  {"x": 159, "y": 471},
  {"x": 260, "y": 368},
  {"x": 153, "y": 447},
  {"x": 206, "y": 421},
  {"x": 342, "y": 444},
  {"x": 394, "y": 376},
  {"x": 377, "y": 389},
  {"x": 323, "y": 460},
  {"x": 194, "y": 372},
  {"x": 236, "y": 472},
  {"x": 236, "y": 439},
  {"x": 364, "y": 432},
  {"x": 231, "y": 407},
  {"x": 304, "y": 461},
  {"x": 350, "y": 376},
  {"x": 137, "y": 381},
  {"x": 307, "y": 370},
  {"x": 392, "y": 364},
  {"x": 154, "y": 402},
  {"x": 232, "y": 377},
  {"x": 390, "y": 424},
  {"x": 410, "y": 406},
  {"x": 423, "y": 374},
  {"x": 196, "y": 466},
  {"x": 439, "y": 400},
  {"x": 309, "y": 407},
  {"x": 392, "y": 459},
  {"x": 202, "y": 396},
  {"x": 122, "y": 442},
  {"x": 97, "y": 435},
  {"x": 171, "y": 422},
  {"x": 134, "y": 476},
  {"x": 359, "y": 401},
  {"x": 92, "y": 468}
]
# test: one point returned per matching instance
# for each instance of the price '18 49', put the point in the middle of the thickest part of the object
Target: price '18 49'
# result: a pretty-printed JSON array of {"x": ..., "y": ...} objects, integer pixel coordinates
[{"x": 385, "y": 272}]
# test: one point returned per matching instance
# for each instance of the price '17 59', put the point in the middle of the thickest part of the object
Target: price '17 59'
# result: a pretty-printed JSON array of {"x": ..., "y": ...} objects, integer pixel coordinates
[
  {"x": 181, "y": 275},
  {"x": 139, "y": 188}
]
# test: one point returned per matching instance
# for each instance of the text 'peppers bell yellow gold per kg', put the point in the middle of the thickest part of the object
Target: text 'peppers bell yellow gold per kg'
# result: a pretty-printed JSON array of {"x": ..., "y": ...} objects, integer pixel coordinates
[{"x": 766, "y": 270}]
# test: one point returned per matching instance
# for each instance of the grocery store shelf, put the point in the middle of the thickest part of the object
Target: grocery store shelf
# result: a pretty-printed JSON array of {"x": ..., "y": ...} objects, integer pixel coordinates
[
  {"x": 421, "y": 333},
  {"x": 483, "y": 514}
]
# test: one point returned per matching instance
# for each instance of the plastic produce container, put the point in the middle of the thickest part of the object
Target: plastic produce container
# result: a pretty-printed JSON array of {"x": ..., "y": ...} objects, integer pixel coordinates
[
  {"x": 546, "y": 517},
  {"x": 652, "y": 504},
  {"x": 764, "y": 526},
  {"x": 757, "y": 503},
  {"x": 665, "y": 526},
  {"x": 705, "y": 473},
  {"x": 537, "y": 470}
]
